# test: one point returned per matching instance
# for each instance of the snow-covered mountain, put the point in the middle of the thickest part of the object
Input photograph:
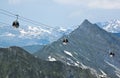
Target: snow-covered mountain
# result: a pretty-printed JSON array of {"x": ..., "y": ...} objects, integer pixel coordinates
[
  {"x": 30, "y": 35},
  {"x": 88, "y": 47},
  {"x": 112, "y": 26}
]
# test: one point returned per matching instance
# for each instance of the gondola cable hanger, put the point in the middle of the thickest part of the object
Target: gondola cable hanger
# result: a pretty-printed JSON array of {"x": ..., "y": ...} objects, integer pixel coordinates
[{"x": 16, "y": 23}]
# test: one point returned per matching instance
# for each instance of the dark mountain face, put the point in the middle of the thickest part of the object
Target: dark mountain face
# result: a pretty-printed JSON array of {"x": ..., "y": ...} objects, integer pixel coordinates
[
  {"x": 88, "y": 47},
  {"x": 17, "y": 63}
]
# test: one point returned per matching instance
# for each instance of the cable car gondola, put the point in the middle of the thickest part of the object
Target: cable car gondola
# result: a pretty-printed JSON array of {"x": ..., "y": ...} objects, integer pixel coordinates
[
  {"x": 16, "y": 23},
  {"x": 112, "y": 54},
  {"x": 65, "y": 41}
]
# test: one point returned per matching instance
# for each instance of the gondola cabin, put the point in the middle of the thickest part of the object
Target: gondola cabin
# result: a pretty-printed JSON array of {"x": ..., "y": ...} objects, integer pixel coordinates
[
  {"x": 112, "y": 54},
  {"x": 65, "y": 41},
  {"x": 15, "y": 24}
]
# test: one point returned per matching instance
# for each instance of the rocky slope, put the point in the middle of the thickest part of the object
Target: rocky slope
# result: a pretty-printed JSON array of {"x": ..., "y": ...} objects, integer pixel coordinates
[
  {"x": 88, "y": 47},
  {"x": 17, "y": 63}
]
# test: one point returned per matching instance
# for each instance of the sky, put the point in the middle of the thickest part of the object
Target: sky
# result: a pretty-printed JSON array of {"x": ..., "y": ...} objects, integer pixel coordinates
[{"x": 65, "y": 13}]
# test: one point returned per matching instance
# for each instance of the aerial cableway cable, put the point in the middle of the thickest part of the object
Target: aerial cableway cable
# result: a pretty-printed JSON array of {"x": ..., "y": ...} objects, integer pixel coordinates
[
  {"x": 24, "y": 19},
  {"x": 16, "y": 23}
]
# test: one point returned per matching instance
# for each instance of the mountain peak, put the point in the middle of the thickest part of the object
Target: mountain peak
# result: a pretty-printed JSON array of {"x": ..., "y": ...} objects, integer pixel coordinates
[
  {"x": 87, "y": 26},
  {"x": 88, "y": 46},
  {"x": 86, "y": 22}
]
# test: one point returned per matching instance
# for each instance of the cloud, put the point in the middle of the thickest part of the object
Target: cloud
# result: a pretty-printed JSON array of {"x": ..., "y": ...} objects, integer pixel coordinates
[
  {"x": 115, "y": 4},
  {"x": 104, "y": 4},
  {"x": 14, "y": 2},
  {"x": 68, "y": 2}
]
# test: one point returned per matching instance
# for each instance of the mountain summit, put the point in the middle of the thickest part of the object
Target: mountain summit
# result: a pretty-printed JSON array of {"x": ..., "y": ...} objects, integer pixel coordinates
[
  {"x": 88, "y": 47},
  {"x": 86, "y": 22}
]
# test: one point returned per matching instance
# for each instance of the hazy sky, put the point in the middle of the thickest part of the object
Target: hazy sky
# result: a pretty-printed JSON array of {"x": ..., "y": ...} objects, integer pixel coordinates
[{"x": 62, "y": 12}]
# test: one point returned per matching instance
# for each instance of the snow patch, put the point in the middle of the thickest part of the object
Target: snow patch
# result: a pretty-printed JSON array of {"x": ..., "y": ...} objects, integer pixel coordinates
[
  {"x": 112, "y": 65},
  {"x": 63, "y": 29},
  {"x": 68, "y": 53},
  {"x": 118, "y": 73},
  {"x": 70, "y": 60},
  {"x": 76, "y": 64},
  {"x": 33, "y": 28},
  {"x": 64, "y": 43},
  {"x": 103, "y": 75},
  {"x": 113, "y": 26},
  {"x": 51, "y": 58},
  {"x": 68, "y": 64},
  {"x": 83, "y": 66},
  {"x": 43, "y": 30}
]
